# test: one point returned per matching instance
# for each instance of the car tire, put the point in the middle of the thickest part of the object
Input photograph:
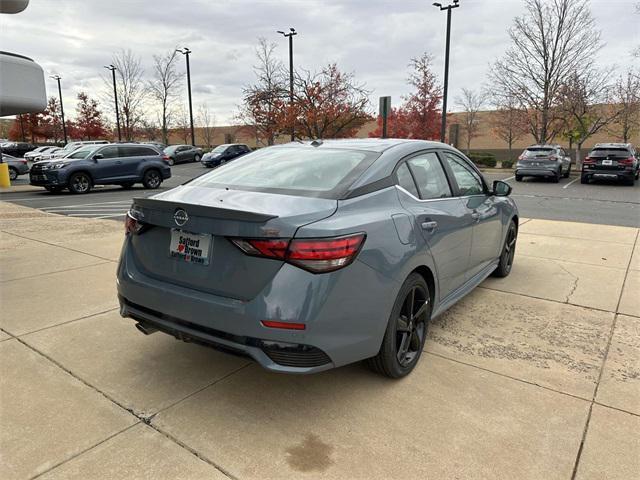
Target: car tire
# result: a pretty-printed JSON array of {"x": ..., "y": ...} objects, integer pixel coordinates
[
  {"x": 80, "y": 183},
  {"x": 630, "y": 181},
  {"x": 508, "y": 252},
  {"x": 152, "y": 179},
  {"x": 196, "y": 158},
  {"x": 518, "y": 178},
  {"x": 556, "y": 177},
  {"x": 567, "y": 173},
  {"x": 406, "y": 330},
  {"x": 584, "y": 179},
  {"x": 13, "y": 173},
  {"x": 127, "y": 185}
]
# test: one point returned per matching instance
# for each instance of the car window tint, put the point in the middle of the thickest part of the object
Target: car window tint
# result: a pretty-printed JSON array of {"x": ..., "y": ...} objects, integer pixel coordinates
[
  {"x": 429, "y": 175},
  {"x": 405, "y": 180},
  {"x": 300, "y": 170},
  {"x": 137, "y": 151},
  {"x": 468, "y": 180},
  {"x": 109, "y": 152}
]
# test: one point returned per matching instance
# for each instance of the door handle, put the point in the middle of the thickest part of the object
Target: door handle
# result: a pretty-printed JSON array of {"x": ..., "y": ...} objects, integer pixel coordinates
[
  {"x": 475, "y": 216},
  {"x": 429, "y": 226}
]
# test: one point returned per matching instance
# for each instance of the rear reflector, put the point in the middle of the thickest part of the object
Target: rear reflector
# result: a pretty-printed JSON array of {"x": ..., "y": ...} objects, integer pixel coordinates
[
  {"x": 283, "y": 325},
  {"x": 317, "y": 255}
]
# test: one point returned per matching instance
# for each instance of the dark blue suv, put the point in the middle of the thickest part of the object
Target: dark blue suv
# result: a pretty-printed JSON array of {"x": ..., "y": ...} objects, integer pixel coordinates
[{"x": 112, "y": 164}]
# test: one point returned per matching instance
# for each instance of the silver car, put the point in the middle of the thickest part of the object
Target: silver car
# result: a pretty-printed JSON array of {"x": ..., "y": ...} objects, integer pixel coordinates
[
  {"x": 17, "y": 166},
  {"x": 310, "y": 256},
  {"x": 547, "y": 161}
]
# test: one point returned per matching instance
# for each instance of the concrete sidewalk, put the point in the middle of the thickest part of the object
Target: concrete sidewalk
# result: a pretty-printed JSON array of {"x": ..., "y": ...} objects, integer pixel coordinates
[{"x": 536, "y": 376}]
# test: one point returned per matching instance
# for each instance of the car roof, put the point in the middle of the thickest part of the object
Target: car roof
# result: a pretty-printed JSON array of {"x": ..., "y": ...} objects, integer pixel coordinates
[
  {"x": 612, "y": 145},
  {"x": 546, "y": 145},
  {"x": 368, "y": 144}
]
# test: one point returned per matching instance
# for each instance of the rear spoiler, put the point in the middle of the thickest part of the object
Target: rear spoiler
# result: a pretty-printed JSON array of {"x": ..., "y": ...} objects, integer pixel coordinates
[{"x": 202, "y": 211}]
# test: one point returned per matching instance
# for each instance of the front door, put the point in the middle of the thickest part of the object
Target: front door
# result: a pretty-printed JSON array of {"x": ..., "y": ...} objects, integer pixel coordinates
[
  {"x": 480, "y": 205},
  {"x": 108, "y": 166},
  {"x": 442, "y": 218}
]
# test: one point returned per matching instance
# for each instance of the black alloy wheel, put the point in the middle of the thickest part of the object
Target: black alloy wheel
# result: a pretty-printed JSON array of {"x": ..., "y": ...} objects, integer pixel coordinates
[
  {"x": 508, "y": 252},
  {"x": 152, "y": 179},
  {"x": 406, "y": 331}
]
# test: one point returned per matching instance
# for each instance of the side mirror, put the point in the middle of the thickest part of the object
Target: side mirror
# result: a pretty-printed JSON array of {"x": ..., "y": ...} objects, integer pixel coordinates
[
  {"x": 98, "y": 156},
  {"x": 501, "y": 189}
]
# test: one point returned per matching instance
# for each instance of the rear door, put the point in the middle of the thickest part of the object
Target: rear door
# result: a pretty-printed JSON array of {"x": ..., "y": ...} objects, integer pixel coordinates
[
  {"x": 444, "y": 221},
  {"x": 133, "y": 156},
  {"x": 480, "y": 205}
]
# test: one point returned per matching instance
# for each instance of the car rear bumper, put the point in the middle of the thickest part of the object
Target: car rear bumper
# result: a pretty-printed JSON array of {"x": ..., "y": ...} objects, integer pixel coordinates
[
  {"x": 612, "y": 174},
  {"x": 535, "y": 172},
  {"x": 345, "y": 314}
]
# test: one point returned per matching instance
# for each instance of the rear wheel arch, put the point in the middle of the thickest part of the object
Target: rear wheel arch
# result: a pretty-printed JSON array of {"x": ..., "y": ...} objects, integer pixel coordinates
[{"x": 426, "y": 273}]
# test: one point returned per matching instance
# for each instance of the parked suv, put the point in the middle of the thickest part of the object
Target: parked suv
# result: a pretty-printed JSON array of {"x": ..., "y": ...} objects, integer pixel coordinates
[
  {"x": 549, "y": 161},
  {"x": 224, "y": 153},
  {"x": 183, "y": 153},
  {"x": 616, "y": 161},
  {"x": 113, "y": 164}
]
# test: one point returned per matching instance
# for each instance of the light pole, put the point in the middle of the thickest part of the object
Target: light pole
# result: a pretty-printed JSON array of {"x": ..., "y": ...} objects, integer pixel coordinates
[
  {"x": 64, "y": 127},
  {"x": 448, "y": 8},
  {"x": 290, "y": 35},
  {"x": 185, "y": 51},
  {"x": 115, "y": 98}
]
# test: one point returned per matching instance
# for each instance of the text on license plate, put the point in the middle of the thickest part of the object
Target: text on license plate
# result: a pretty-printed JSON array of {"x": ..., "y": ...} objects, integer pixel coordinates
[
  {"x": 607, "y": 162},
  {"x": 190, "y": 247}
]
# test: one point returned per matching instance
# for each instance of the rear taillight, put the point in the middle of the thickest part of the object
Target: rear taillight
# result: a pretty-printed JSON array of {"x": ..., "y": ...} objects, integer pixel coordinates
[
  {"x": 588, "y": 161},
  {"x": 131, "y": 224},
  {"x": 626, "y": 161},
  {"x": 166, "y": 158},
  {"x": 317, "y": 255}
]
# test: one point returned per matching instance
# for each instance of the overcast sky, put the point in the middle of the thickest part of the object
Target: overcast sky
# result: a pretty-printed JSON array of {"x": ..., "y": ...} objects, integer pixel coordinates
[{"x": 374, "y": 39}]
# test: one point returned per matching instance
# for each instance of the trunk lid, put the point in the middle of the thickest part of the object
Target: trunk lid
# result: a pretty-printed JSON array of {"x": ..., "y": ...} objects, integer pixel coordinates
[{"x": 220, "y": 213}]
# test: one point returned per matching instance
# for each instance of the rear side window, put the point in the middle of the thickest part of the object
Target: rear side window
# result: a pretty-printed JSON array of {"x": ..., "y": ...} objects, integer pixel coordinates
[
  {"x": 306, "y": 171},
  {"x": 469, "y": 182},
  {"x": 610, "y": 152},
  {"x": 137, "y": 151},
  {"x": 429, "y": 175},
  {"x": 405, "y": 180}
]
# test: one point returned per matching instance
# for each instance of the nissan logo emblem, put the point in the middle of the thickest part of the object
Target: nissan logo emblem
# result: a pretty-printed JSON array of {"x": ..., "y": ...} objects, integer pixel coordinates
[{"x": 180, "y": 217}]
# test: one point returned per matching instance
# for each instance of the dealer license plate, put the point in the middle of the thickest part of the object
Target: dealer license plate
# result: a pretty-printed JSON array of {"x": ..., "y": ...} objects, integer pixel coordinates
[{"x": 190, "y": 247}]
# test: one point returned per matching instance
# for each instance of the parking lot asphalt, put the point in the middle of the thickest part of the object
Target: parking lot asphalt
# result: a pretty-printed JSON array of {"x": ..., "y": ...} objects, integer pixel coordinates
[
  {"x": 534, "y": 376},
  {"x": 569, "y": 200}
]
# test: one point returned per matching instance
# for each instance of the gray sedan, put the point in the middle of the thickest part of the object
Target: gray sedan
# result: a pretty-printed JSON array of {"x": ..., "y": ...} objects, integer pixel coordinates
[
  {"x": 310, "y": 256},
  {"x": 17, "y": 166}
]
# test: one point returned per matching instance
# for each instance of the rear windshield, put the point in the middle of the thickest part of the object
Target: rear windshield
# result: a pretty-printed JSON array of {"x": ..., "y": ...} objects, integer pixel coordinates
[
  {"x": 304, "y": 171},
  {"x": 538, "y": 152},
  {"x": 610, "y": 152}
]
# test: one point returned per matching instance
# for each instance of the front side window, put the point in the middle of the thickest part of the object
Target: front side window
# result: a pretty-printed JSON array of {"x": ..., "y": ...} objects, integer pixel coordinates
[
  {"x": 306, "y": 171},
  {"x": 430, "y": 177},
  {"x": 469, "y": 182},
  {"x": 405, "y": 180},
  {"x": 81, "y": 153}
]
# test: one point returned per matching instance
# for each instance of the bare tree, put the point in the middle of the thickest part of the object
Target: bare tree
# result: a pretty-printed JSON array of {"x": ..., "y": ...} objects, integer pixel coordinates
[
  {"x": 163, "y": 88},
  {"x": 264, "y": 102},
  {"x": 554, "y": 39},
  {"x": 471, "y": 102},
  {"x": 131, "y": 90},
  {"x": 207, "y": 120},
  {"x": 183, "y": 125},
  {"x": 626, "y": 98},
  {"x": 585, "y": 102},
  {"x": 508, "y": 122}
]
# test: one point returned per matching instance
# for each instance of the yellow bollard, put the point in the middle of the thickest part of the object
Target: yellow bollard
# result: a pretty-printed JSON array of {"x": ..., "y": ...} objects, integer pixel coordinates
[{"x": 5, "y": 181}]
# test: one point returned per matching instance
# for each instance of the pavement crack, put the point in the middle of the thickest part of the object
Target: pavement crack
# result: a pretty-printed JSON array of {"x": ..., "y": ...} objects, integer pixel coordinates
[{"x": 576, "y": 279}]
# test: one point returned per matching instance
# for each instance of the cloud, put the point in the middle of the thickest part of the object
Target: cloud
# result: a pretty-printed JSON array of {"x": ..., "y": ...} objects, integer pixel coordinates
[{"x": 374, "y": 39}]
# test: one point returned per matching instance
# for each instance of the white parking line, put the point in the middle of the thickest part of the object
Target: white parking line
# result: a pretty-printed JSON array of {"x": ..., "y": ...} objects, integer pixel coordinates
[
  {"x": 572, "y": 181},
  {"x": 507, "y": 179},
  {"x": 96, "y": 215}
]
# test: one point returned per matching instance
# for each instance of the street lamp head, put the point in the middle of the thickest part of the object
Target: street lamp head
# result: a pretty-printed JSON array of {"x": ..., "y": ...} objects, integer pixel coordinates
[
  {"x": 110, "y": 67},
  {"x": 291, "y": 29},
  {"x": 55, "y": 77},
  {"x": 280, "y": 31},
  {"x": 436, "y": 4}
]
